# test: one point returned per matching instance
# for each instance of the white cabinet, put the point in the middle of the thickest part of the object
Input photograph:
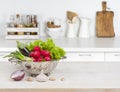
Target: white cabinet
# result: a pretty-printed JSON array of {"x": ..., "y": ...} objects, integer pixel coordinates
[
  {"x": 112, "y": 56},
  {"x": 84, "y": 57},
  {"x": 98, "y": 56}
]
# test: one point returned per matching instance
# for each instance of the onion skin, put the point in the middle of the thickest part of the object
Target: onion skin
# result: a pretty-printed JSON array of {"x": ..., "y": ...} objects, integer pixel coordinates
[{"x": 17, "y": 75}]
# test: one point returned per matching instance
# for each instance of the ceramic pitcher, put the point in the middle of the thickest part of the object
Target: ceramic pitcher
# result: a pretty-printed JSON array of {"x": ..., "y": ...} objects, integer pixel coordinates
[
  {"x": 71, "y": 30},
  {"x": 73, "y": 27},
  {"x": 84, "y": 31}
]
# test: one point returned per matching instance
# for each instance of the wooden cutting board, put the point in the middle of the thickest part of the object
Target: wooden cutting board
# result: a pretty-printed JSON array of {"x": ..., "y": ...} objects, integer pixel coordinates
[{"x": 104, "y": 22}]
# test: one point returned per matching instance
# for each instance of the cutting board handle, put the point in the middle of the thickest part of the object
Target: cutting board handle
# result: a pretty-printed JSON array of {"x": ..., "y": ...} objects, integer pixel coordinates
[{"x": 104, "y": 6}]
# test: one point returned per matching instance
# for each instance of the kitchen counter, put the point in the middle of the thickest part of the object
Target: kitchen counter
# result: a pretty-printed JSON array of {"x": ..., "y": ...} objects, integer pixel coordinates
[
  {"x": 77, "y": 76},
  {"x": 78, "y": 44}
]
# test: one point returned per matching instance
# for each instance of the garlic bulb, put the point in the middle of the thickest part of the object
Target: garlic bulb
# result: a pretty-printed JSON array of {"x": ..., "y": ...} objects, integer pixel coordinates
[
  {"x": 52, "y": 78},
  {"x": 42, "y": 77}
]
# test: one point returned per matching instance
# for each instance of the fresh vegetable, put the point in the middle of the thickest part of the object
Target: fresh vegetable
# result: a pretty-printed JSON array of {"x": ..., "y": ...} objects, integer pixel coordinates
[
  {"x": 30, "y": 46},
  {"x": 18, "y": 75},
  {"x": 39, "y": 55},
  {"x": 47, "y": 58},
  {"x": 47, "y": 48},
  {"x": 36, "y": 54},
  {"x": 45, "y": 53},
  {"x": 22, "y": 48},
  {"x": 40, "y": 59},
  {"x": 35, "y": 60},
  {"x": 36, "y": 48},
  {"x": 38, "y": 51},
  {"x": 31, "y": 54},
  {"x": 19, "y": 55}
]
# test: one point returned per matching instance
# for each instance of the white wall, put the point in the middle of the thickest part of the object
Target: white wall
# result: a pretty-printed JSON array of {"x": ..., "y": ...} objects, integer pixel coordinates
[{"x": 57, "y": 8}]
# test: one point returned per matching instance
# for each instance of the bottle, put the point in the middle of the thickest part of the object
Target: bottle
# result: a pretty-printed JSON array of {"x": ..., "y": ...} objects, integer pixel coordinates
[{"x": 12, "y": 20}]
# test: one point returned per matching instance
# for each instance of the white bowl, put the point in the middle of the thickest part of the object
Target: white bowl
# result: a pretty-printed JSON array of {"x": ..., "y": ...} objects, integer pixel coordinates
[{"x": 54, "y": 32}]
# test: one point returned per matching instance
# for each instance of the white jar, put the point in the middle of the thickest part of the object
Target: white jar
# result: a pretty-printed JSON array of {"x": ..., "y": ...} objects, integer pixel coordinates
[
  {"x": 84, "y": 31},
  {"x": 71, "y": 30}
]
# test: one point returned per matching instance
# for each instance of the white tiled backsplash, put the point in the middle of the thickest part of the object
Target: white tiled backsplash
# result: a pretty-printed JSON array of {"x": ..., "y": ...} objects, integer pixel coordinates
[{"x": 57, "y": 8}]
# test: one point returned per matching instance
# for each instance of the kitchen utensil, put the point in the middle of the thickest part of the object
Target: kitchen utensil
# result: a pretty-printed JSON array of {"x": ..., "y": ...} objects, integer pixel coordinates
[
  {"x": 36, "y": 67},
  {"x": 104, "y": 22},
  {"x": 70, "y": 15}
]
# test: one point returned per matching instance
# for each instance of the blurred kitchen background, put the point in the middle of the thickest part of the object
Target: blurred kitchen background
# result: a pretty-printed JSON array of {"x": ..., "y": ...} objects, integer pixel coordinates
[{"x": 46, "y": 9}]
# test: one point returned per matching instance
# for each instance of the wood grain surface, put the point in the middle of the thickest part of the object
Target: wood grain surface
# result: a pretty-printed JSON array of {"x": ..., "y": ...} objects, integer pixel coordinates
[
  {"x": 61, "y": 90},
  {"x": 104, "y": 22}
]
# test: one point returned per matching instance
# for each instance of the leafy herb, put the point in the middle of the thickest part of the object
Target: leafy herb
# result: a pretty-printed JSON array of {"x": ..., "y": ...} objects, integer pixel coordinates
[
  {"x": 57, "y": 53},
  {"x": 31, "y": 45},
  {"x": 18, "y": 55}
]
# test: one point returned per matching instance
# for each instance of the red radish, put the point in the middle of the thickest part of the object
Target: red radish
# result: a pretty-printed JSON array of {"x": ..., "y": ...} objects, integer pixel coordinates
[
  {"x": 37, "y": 48},
  {"x": 42, "y": 52},
  {"x": 34, "y": 60},
  {"x": 36, "y": 54},
  {"x": 31, "y": 54},
  {"x": 47, "y": 58},
  {"x": 45, "y": 53},
  {"x": 40, "y": 59}
]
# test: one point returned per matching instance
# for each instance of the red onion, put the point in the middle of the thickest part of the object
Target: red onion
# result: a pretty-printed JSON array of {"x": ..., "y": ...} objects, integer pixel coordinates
[{"x": 18, "y": 75}]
